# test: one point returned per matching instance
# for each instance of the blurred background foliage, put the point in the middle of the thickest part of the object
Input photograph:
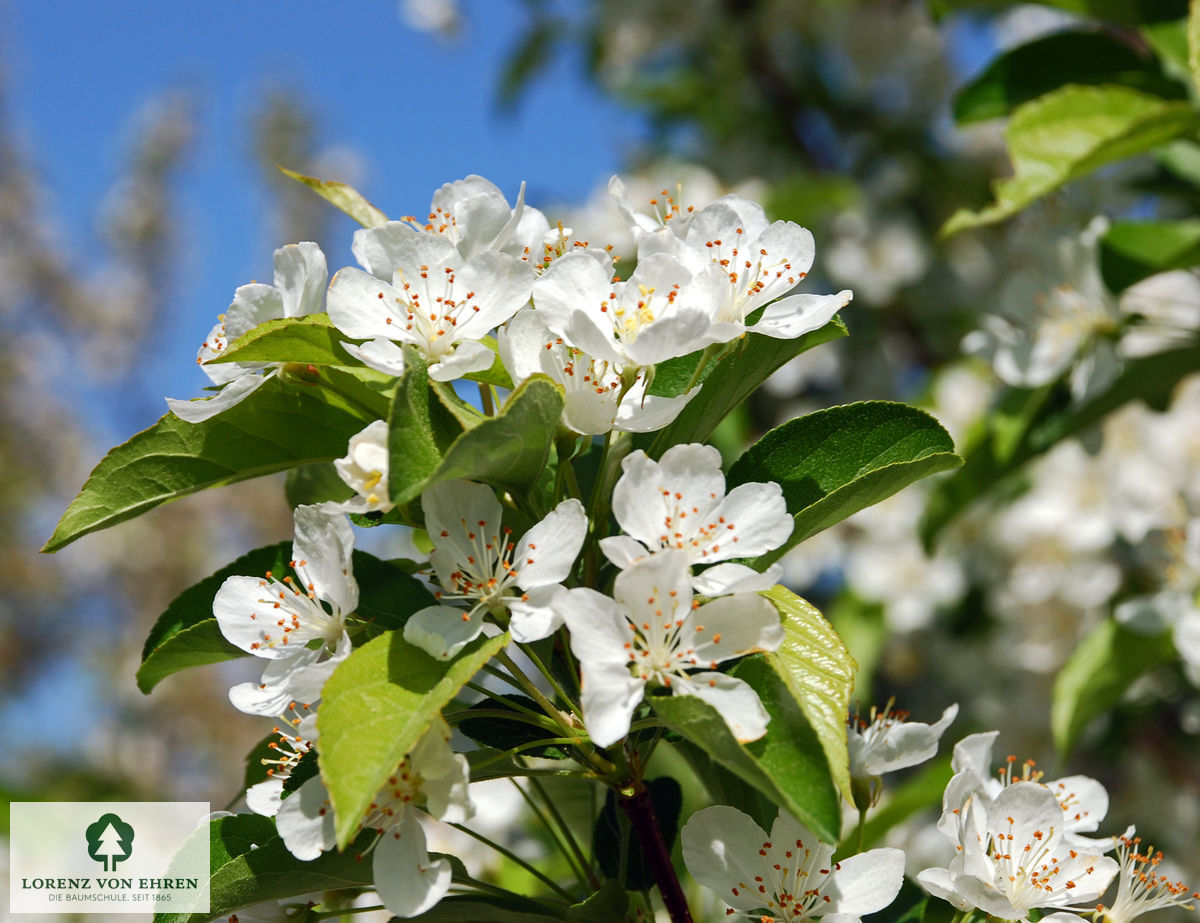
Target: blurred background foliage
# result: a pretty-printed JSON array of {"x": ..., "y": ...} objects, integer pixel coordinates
[{"x": 1044, "y": 589}]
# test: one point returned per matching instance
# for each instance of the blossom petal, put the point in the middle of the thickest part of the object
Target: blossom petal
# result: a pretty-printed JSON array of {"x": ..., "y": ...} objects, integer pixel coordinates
[
  {"x": 265, "y": 797},
  {"x": 504, "y": 284},
  {"x": 408, "y": 882},
  {"x": 300, "y": 276},
  {"x": 547, "y": 551},
  {"x": 796, "y": 315},
  {"x": 937, "y": 881},
  {"x": 687, "y": 478},
  {"x": 643, "y": 413},
  {"x": 442, "y": 631},
  {"x": 375, "y": 248},
  {"x": 467, "y": 357},
  {"x": 322, "y": 553},
  {"x": 537, "y": 615},
  {"x": 305, "y": 821},
  {"x": 867, "y": 882},
  {"x": 360, "y": 304},
  {"x": 380, "y": 354},
  {"x": 720, "y": 849},
  {"x": 235, "y": 392},
  {"x": 253, "y": 304},
  {"x": 735, "y": 625},
  {"x": 723, "y": 579},
  {"x": 755, "y": 519},
  {"x": 734, "y": 699},
  {"x": 622, "y": 551}
]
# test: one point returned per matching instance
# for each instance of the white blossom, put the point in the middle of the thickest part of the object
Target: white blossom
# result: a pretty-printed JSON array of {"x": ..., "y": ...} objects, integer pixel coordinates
[
  {"x": 439, "y": 301},
  {"x": 1141, "y": 885},
  {"x": 299, "y": 289},
  {"x": 299, "y": 626},
  {"x": 364, "y": 469},
  {"x": 651, "y": 634},
  {"x": 887, "y": 741},
  {"x": 478, "y": 563},
  {"x": 680, "y": 502},
  {"x": 788, "y": 876},
  {"x": 595, "y": 398}
]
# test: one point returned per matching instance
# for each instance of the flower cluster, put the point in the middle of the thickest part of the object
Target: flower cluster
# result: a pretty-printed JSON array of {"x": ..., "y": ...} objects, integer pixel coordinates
[{"x": 487, "y": 290}]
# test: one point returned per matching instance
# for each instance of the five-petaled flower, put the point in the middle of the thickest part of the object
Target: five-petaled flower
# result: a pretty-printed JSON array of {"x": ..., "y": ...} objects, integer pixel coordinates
[
  {"x": 651, "y": 633},
  {"x": 478, "y": 563},
  {"x": 788, "y": 876},
  {"x": 299, "y": 625}
]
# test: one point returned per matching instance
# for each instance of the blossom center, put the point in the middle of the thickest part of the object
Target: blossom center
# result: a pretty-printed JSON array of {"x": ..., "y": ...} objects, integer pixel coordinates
[{"x": 294, "y": 615}]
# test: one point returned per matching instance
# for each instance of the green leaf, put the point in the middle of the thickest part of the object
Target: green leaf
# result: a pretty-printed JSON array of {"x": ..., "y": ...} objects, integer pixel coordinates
[
  {"x": 277, "y": 427},
  {"x": 1102, "y": 666},
  {"x": 311, "y": 340},
  {"x": 1134, "y": 250},
  {"x": 186, "y": 634},
  {"x": 347, "y": 198},
  {"x": 667, "y": 798},
  {"x": 420, "y": 430},
  {"x": 835, "y": 462},
  {"x": 508, "y": 734},
  {"x": 375, "y": 706},
  {"x": 388, "y": 593},
  {"x": 509, "y": 450},
  {"x": 732, "y": 381},
  {"x": 787, "y": 765},
  {"x": 1127, "y": 12},
  {"x": 997, "y": 456},
  {"x": 819, "y": 672},
  {"x": 310, "y": 484},
  {"x": 1071, "y": 132},
  {"x": 1044, "y": 65},
  {"x": 250, "y": 863}
]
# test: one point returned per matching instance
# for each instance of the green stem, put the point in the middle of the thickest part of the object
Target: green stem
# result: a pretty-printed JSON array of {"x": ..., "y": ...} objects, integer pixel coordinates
[
  {"x": 346, "y": 911},
  {"x": 516, "y": 751},
  {"x": 862, "y": 827},
  {"x": 712, "y": 350},
  {"x": 517, "y": 860},
  {"x": 567, "y": 834},
  {"x": 555, "y": 834},
  {"x": 540, "y": 721},
  {"x": 500, "y": 675},
  {"x": 486, "y": 401},
  {"x": 550, "y": 678}
]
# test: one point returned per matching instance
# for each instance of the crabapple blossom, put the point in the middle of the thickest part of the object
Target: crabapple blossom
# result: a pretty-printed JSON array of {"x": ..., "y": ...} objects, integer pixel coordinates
[
  {"x": 650, "y": 633},
  {"x": 1083, "y": 800},
  {"x": 680, "y": 502},
  {"x": 745, "y": 263},
  {"x": 477, "y": 563},
  {"x": 1013, "y": 856},
  {"x": 438, "y": 301},
  {"x": 1141, "y": 887},
  {"x": 657, "y": 314},
  {"x": 296, "y": 737},
  {"x": 790, "y": 874},
  {"x": 365, "y": 469},
  {"x": 887, "y": 741},
  {"x": 470, "y": 213},
  {"x": 595, "y": 397},
  {"x": 431, "y": 777},
  {"x": 297, "y": 625},
  {"x": 299, "y": 289}
]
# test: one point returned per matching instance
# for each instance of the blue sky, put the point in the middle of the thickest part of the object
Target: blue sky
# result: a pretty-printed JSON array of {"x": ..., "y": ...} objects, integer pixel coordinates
[{"x": 419, "y": 111}]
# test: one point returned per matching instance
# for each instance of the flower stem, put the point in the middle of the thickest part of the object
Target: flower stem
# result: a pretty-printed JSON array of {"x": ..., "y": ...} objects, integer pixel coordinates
[
  {"x": 640, "y": 810},
  {"x": 514, "y": 858},
  {"x": 485, "y": 399},
  {"x": 567, "y": 834}
]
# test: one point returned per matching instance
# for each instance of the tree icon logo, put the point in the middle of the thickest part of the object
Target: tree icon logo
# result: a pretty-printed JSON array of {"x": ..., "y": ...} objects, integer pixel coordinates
[{"x": 110, "y": 840}]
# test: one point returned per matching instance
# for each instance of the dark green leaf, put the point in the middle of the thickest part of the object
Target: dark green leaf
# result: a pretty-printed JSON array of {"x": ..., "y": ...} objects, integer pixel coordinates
[
  {"x": 420, "y": 429},
  {"x": 667, "y": 798},
  {"x": 279, "y": 426},
  {"x": 1134, "y": 250},
  {"x": 375, "y": 706},
  {"x": 311, "y": 484},
  {"x": 186, "y": 634},
  {"x": 733, "y": 380},
  {"x": 787, "y": 764},
  {"x": 505, "y": 734},
  {"x": 470, "y": 909},
  {"x": 607, "y": 905},
  {"x": 1069, "y": 133},
  {"x": 835, "y": 462},
  {"x": 388, "y": 594},
  {"x": 1096, "y": 675},
  {"x": 347, "y": 198},
  {"x": 1043, "y": 65},
  {"x": 1127, "y": 12}
]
